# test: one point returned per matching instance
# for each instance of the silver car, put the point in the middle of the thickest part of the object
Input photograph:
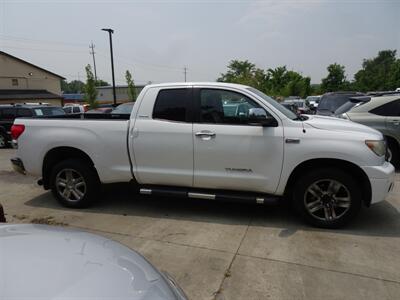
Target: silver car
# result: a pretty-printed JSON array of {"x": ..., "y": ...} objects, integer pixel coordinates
[
  {"x": 44, "y": 262},
  {"x": 383, "y": 114}
]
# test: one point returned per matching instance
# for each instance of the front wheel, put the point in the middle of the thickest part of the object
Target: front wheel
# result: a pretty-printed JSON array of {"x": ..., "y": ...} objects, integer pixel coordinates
[
  {"x": 74, "y": 183},
  {"x": 327, "y": 198}
]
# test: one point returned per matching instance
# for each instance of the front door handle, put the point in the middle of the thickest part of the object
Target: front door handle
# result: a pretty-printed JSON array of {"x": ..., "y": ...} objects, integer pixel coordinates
[
  {"x": 395, "y": 122},
  {"x": 206, "y": 135}
]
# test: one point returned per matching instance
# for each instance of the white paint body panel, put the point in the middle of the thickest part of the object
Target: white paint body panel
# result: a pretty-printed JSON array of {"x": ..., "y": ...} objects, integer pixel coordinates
[
  {"x": 49, "y": 263},
  {"x": 168, "y": 153}
]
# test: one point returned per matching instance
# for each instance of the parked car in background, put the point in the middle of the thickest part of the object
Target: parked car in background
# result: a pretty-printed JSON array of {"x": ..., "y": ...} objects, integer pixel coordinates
[
  {"x": 330, "y": 102},
  {"x": 353, "y": 102},
  {"x": 9, "y": 112},
  {"x": 214, "y": 141},
  {"x": 301, "y": 104},
  {"x": 383, "y": 114},
  {"x": 48, "y": 262},
  {"x": 313, "y": 102},
  {"x": 290, "y": 106},
  {"x": 100, "y": 110},
  {"x": 75, "y": 108},
  {"x": 124, "y": 108}
]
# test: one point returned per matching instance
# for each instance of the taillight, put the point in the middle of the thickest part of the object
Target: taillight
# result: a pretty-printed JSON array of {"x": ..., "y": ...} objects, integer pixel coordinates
[{"x": 17, "y": 130}]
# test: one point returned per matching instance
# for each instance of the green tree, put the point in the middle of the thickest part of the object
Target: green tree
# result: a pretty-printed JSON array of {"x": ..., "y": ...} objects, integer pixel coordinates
[
  {"x": 101, "y": 82},
  {"x": 131, "y": 86},
  {"x": 378, "y": 73},
  {"x": 90, "y": 88},
  {"x": 394, "y": 78},
  {"x": 74, "y": 86},
  {"x": 336, "y": 79},
  {"x": 274, "y": 82},
  {"x": 245, "y": 72}
]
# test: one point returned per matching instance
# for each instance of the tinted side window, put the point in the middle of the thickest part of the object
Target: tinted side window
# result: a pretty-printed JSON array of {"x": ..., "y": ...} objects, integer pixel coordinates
[
  {"x": 24, "y": 112},
  {"x": 172, "y": 104},
  {"x": 224, "y": 107},
  {"x": 76, "y": 109},
  {"x": 391, "y": 109},
  {"x": 9, "y": 113}
]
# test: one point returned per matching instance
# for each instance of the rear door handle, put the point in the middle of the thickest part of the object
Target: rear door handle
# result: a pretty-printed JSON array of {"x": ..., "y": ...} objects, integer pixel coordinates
[
  {"x": 205, "y": 134},
  {"x": 395, "y": 122}
]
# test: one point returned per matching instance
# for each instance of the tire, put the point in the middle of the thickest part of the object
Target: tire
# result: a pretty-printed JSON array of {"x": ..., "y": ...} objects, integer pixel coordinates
[
  {"x": 74, "y": 183},
  {"x": 3, "y": 140},
  {"x": 394, "y": 154},
  {"x": 327, "y": 198}
]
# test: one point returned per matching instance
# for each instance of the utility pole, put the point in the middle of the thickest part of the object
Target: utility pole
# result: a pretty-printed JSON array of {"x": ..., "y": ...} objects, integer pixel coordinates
[
  {"x": 91, "y": 46},
  {"x": 185, "y": 71},
  {"x": 110, "y": 32}
]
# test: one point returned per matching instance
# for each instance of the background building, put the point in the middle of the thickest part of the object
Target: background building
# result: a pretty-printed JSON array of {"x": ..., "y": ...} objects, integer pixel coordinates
[
  {"x": 105, "y": 93},
  {"x": 23, "y": 82}
]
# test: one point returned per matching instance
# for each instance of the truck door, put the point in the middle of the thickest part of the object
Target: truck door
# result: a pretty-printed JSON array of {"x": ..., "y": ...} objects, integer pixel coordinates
[
  {"x": 229, "y": 152},
  {"x": 161, "y": 138}
]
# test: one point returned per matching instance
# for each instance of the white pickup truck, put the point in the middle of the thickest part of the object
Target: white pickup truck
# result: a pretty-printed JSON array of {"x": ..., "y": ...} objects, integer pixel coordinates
[{"x": 211, "y": 141}]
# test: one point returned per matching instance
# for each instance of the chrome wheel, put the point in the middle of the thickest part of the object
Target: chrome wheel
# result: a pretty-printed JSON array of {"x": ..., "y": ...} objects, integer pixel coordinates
[
  {"x": 327, "y": 199},
  {"x": 70, "y": 185}
]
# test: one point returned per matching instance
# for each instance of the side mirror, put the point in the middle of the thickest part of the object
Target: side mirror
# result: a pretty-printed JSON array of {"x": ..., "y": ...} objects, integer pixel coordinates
[{"x": 259, "y": 117}]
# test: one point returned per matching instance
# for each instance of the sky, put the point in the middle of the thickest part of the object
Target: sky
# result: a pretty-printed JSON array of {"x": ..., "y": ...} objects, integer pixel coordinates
[{"x": 155, "y": 40}]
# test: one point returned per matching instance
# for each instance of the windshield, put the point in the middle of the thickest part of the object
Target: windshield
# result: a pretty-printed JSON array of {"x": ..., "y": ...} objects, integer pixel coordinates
[
  {"x": 275, "y": 104},
  {"x": 49, "y": 111}
]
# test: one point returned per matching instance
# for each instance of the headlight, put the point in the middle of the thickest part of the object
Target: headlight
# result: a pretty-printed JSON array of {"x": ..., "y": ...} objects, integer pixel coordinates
[{"x": 378, "y": 147}]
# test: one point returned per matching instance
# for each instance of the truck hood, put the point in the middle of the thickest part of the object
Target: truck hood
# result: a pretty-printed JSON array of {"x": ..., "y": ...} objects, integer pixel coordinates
[
  {"x": 337, "y": 124},
  {"x": 44, "y": 262}
]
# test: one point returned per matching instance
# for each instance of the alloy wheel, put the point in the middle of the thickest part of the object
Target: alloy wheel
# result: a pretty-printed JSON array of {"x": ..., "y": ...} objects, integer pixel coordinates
[
  {"x": 327, "y": 199},
  {"x": 70, "y": 185}
]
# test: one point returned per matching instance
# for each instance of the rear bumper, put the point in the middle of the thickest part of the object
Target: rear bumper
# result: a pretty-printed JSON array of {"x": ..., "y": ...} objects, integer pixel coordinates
[
  {"x": 18, "y": 165},
  {"x": 381, "y": 179}
]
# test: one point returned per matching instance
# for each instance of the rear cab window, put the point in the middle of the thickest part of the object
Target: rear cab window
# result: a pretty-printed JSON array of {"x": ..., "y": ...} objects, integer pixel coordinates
[{"x": 173, "y": 105}]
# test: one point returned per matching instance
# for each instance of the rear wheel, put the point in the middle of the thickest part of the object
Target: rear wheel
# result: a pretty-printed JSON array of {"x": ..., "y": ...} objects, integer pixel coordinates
[
  {"x": 327, "y": 198},
  {"x": 74, "y": 183}
]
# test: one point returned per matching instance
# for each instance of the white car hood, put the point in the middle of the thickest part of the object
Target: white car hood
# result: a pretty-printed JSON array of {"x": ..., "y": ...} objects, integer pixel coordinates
[
  {"x": 337, "y": 124},
  {"x": 44, "y": 262}
]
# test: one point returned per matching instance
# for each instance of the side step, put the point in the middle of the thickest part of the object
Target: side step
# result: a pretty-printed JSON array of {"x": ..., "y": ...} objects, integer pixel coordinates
[{"x": 226, "y": 196}]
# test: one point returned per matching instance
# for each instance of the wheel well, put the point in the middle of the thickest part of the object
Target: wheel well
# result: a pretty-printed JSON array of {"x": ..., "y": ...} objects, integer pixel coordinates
[
  {"x": 349, "y": 167},
  {"x": 392, "y": 141},
  {"x": 57, "y": 155}
]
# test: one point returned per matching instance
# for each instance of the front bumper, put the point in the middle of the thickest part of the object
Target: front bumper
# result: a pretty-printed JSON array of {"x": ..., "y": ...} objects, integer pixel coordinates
[
  {"x": 18, "y": 165},
  {"x": 381, "y": 179}
]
